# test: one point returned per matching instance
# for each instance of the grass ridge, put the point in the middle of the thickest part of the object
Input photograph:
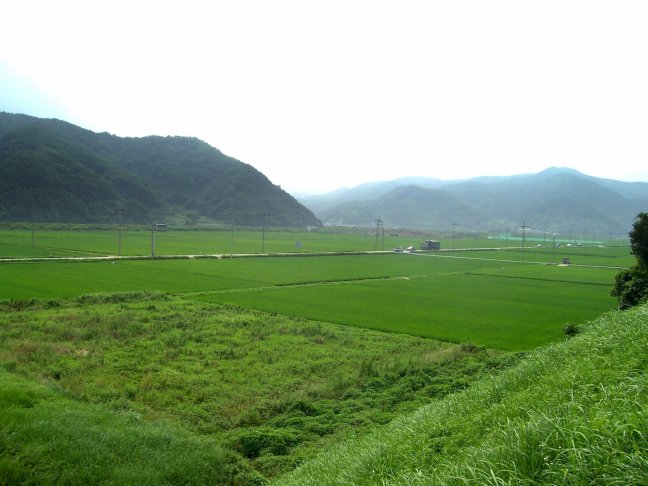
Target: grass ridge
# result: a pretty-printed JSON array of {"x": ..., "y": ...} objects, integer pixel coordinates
[{"x": 572, "y": 413}]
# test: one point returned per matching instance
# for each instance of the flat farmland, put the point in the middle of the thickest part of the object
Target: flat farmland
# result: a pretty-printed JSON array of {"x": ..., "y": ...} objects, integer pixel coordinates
[
  {"x": 136, "y": 242},
  {"x": 46, "y": 242},
  {"x": 505, "y": 307},
  {"x": 500, "y": 303},
  {"x": 62, "y": 279}
]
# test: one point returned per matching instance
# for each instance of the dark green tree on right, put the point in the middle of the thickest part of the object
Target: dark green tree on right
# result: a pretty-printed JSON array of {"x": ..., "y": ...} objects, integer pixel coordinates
[{"x": 631, "y": 285}]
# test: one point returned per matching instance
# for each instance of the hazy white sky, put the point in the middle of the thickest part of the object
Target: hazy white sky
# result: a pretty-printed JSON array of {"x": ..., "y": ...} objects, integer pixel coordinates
[{"x": 319, "y": 95}]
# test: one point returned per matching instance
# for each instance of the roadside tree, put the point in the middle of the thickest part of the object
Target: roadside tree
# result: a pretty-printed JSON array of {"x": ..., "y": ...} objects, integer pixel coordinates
[{"x": 631, "y": 285}]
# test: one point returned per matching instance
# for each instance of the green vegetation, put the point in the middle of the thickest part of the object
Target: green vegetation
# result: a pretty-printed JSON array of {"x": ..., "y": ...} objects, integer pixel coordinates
[
  {"x": 572, "y": 413},
  {"x": 47, "y": 438},
  {"x": 499, "y": 304},
  {"x": 509, "y": 309},
  {"x": 631, "y": 285},
  {"x": 42, "y": 240},
  {"x": 48, "y": 240},
  {"x": 239, "y": 370},
  {"x": 52, "y": 171},
  {"x": 123, "y": 381}
]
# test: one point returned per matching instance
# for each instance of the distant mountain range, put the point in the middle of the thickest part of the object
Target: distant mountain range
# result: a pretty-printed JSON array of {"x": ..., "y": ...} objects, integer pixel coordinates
[
  {"x": 558, "y": 200},
  {"x": 52, "y": 171}
]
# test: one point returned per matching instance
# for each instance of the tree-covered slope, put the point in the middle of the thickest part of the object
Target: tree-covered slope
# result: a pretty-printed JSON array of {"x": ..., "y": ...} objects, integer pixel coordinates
[
  {"x": 54, "y": 171},
  {"x": 571, "y": 413}
]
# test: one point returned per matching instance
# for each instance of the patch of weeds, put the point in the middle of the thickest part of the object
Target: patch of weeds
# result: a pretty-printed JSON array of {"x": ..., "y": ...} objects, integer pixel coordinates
[
  {"x": 571, "y": 329},
  {"x": 20, "y": 304},
  {"x": 258, "y": 441},
  {"x": 120, "y": 297}
]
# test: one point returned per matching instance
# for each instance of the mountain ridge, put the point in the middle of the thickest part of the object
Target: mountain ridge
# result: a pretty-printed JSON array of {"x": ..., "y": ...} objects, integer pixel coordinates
[
  {"x": 54, "y": 171},
  {"x": 557, "y": 199}
]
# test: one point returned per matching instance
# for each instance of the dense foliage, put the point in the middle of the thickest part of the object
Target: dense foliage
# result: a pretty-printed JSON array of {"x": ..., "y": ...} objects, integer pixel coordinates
[
  {"x": 241, "y": 390},
  {"x": 52, "y": 171},
  {"x": 571, "y": 413},
  {"x": 631, "y": 285}
]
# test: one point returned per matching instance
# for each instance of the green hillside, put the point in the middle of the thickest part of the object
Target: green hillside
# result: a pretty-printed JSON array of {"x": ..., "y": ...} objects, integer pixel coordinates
[
  {"x": 52, "y": 171},
  {"x": 571, "y": 413}
]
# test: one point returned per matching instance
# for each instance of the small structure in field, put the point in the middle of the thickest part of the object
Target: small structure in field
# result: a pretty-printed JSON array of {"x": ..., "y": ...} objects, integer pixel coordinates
[{"x": 430, "y": 245}]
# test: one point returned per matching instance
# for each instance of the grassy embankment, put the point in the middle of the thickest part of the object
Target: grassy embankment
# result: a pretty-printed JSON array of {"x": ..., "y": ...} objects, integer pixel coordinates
[
  {"x": 137, "y": 388},
  {"x": 571, "y": 413},
  {"x": 159, "y": 391}
]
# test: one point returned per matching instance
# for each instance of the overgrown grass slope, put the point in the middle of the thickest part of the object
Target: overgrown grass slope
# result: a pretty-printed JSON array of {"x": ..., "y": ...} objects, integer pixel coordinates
[{"x": 572, "y": 413}]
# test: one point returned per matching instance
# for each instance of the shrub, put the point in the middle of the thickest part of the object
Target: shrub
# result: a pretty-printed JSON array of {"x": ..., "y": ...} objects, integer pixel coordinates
[
  {"x": 256, "y": 442},
  {"x": 571, "y": 329}
]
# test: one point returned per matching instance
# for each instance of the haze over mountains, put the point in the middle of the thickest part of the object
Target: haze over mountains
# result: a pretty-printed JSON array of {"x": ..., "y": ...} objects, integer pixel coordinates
[
  {"x": 558, "y": 200},
  {"x": 53, "y": 171}
]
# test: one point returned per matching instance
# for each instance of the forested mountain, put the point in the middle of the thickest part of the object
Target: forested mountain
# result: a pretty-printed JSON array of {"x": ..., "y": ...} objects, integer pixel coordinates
[
  {"x": 557, "y": 200},
  {"x": 52, "y": 171}
]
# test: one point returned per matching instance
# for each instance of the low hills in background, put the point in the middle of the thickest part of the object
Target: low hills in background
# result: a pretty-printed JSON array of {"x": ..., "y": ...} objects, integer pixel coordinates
[
  {"x": 53, "y": 171},
  {"x": 557, "y": 200}
]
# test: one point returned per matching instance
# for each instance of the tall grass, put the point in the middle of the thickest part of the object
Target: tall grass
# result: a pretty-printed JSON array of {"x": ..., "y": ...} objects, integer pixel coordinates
[
  {"x": 48, "y": 439},
  {"x": 572, "y": 413},
  {"x": 266, "y": 391}
]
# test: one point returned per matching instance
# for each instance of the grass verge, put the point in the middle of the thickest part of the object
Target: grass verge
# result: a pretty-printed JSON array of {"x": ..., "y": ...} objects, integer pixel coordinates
[{"x": 572, "y": 413}]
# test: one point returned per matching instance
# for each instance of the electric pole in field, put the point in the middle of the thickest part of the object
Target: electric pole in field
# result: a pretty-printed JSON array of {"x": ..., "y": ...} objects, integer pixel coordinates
[
  {"x": 454, "y": 225},
  {"x": 524, "y": 227},
  {"x": 378, "y": 223},
  {"x": 155, "y": 227},
  {"x": 120, "y": 213},
  {"x": 263, "y": 232}
]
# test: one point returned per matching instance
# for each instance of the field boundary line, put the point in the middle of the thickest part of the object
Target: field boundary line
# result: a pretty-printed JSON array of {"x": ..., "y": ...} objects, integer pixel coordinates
[
  {"x": 537, "y": 279},
  {"x": 519, "y": 261},
  {"x": 323, "y": 283}
]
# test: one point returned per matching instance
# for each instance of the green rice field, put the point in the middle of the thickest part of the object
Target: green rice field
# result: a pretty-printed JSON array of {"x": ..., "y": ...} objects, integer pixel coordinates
[{"x": 510, "y": 298}]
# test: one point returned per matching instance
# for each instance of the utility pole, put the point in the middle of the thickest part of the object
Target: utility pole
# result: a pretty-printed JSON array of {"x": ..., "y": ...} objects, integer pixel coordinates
[
  {"x": 155, "y": 227},
  {"x": 524, "y": 227},
  {"x": 232, "y": 243},
  {"x": 152, "y": 241},
  {"x": 454, "y": 225},
  {"x": 553, "y": 257},
  {"x": 263, "y": 233},
  {"x": 378, "y": 223},
  {"x": 33, "y": 241},
  {"x": 120, "y": 213}
]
